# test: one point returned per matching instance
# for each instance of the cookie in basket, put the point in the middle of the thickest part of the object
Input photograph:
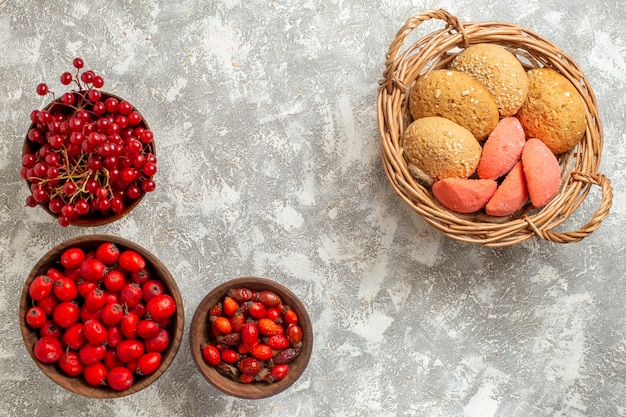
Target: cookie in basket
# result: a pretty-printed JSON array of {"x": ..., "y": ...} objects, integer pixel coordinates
[
  {"x": 499, "y": 70},
  {"x": 553, "y": 111},
  {"x": 438, "y": 148},
  {"x": 455, "y": 96}
]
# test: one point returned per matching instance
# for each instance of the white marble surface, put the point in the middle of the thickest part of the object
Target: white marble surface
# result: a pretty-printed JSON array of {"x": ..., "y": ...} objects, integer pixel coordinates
[{"x": 269, "y": 158}]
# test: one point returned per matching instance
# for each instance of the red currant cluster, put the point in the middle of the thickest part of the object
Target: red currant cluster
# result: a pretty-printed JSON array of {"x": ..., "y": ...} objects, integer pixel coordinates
[
  {"x": 254, "y": 336},
  {"x": 88, "y": 154},
  {"x": 100, "y": 315}
]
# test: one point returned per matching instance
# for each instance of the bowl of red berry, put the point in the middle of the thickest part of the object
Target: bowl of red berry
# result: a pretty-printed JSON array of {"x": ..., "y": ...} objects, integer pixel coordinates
[
  {"x": 251, "y": 337},
  {"x": 88, "y": 156},
  {"x": 101, "y": 316}
]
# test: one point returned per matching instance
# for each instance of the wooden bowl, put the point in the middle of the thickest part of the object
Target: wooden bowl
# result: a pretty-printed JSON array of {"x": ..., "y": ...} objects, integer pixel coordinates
[
  {"x": 91, "y": 219},
  {"x": 158, "y": 271},
  {"x": 200, "y": 329}
]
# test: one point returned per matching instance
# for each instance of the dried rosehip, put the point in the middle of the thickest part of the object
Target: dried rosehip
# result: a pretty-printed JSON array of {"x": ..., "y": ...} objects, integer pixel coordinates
[
  {"x": 240, "y": 295},
  {"x": 277, "y": 341},
  {"x": 294, "y": 335},
  {"x": 230, "y": 356},
  {"x": 216, "y": 310},
  {"x": 268, "y": 298},
  {"x": 249, "y": 366},
  {"x": 278, "y": 372},
  {"x": 290, "y": 317},
  {"x": 222, "y": 325},
  {"x": 262, "y": 352},
  {"x": 250, "y": 334},
  {"x": 229, "y": 306},
  {"x": 211, "y": 355},
  {"x": 256, "y": 310},
  {"x": 286, "y": 355},
  {"x": 246, "y": 378},
  {"x": 230, "y": 339},
  {"x": 237, "y": 321},
  {"x": 267, "y": 327},
  {"x": 228, "y": 370}
]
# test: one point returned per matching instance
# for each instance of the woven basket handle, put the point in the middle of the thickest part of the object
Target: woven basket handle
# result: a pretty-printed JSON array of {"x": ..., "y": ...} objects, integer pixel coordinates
[
  {"x": 412, "y": 23},
  {"x": 600, "y": 214}
]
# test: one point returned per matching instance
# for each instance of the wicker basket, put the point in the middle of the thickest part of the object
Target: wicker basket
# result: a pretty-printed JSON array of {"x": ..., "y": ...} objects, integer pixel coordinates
[{"x": 579, "y": 167}]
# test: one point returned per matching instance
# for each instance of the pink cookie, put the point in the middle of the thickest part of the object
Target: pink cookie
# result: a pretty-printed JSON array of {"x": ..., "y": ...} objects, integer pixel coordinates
[
  {"x": 511, "y": 195},
  {"x": 464, "y": 195},
  {"x": 502, "y": 149},
  {"x": 542, "y": 171}
]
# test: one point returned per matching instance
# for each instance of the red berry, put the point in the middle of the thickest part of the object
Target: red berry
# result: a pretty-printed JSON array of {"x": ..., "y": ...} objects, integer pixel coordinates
[
  {"x": 42, "y": 89},
  {"x": 108, "y": 253},
  {"x": 98, "y": 81},
  {"x": 147, "y": 329},
  {"x": 119, "y": 378},
  {"x": 50, "y": 328},
  {"x": 40, "y": 287},
  {"x": 95, "y": 375},
  {"x": 72, "y": 257},
  {"x": 249, "y": 365},
  {"x": 112, "y": 314},
  {"x": 65, "y": 289},
  {"x": 35, "y": 317},
  {"x": 70, "y": 364},
  {"x": 130, "y": 350},
  {"x": 91, "y": 354},
  {"x": 114, "y": 336},
  {"x": 49, "y": 303},
  {"x": 158, "y": 343},
  {"x": 152, "y": 288},
  {"x": 114, "y": 280},
  {"x": 111, "y": 360},
  {"x": 140, "y": 277},
  {"x": 149, "y": 363},
  {"x": 95, "y": 332},
  {"x": 161, "y": 306},
  {"x": 92, "y": 269},
  {"x": 130, "y": 295},
  {"x": 66, "y": 78},
  {"x": 78, "y": 63},
  {"x": 66, "y": 314},
  {"x": 128, "y": 325},
  {"x": 48, "y": 349},
  {"x": 131, "y": 261},
  {"x": 279, "y": 372},
  {"x": 134, "y": 118},
  {"x": 74, "y": 337}
]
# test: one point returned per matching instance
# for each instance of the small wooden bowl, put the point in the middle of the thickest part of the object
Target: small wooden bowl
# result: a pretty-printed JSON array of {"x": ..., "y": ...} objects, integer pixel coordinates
[
  {"x": 199, "y": 334},
  {"x": 159, "y": 271},
  {"x": 97, "y": 219}
]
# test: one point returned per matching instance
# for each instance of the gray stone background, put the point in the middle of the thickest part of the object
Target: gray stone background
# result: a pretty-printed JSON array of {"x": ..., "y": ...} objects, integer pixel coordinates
[{"x": 269, "y": 165}]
